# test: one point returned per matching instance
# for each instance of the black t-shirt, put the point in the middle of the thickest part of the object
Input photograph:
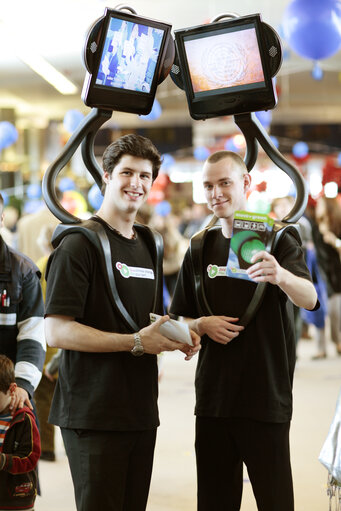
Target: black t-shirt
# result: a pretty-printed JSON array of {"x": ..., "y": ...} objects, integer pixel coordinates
[
  {"x": 250, "y": 377},
  {"x": 107, "y": 391}
]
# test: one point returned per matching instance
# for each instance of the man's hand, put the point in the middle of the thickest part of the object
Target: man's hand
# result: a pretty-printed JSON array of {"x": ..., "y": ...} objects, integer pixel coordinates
[
  {"x": 266, "y": 269},
  {"x": 153, "y": 342},
  {"x": 190, "y": 351},
  {"x": 19, "y": 399},
  {"x": 298, "y": 289},
  {"x": 221, "y": 329}
]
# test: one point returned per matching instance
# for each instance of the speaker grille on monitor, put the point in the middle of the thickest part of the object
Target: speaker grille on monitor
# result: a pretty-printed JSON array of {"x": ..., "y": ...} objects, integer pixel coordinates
[{"x": 273, "y": 51}]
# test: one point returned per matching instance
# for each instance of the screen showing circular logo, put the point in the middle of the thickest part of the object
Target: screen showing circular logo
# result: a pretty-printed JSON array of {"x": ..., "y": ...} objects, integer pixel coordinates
[{"x": 224, "y": 64}]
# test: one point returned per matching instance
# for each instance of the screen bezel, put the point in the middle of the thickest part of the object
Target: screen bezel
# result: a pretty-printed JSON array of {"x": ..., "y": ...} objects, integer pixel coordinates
[
  {"x": 114, "y": 98},
  {"x": 239, "y": 99}
]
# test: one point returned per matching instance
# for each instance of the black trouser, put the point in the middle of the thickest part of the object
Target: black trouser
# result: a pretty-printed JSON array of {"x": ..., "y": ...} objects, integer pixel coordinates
[
  {"x": 222, "y": 445},
  {"x": 111, "y": 470}
]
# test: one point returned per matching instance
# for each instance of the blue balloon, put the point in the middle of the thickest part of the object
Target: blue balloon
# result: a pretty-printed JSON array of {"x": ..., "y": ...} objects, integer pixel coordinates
[
  {"x": 72, "y": 120},
  {"x": 312, "y": 28},
  {"x": 167, "y": 161},
  {"x": 163, "y": 208},
  {"x": 264, "y": 117},
  {"x": 8, "y": 134},
  {"x": 66, "y": 184},
  {"x": 201, "y": 153},
  {"x": 155, "y": 112},
  {"x": 33, "y": 191},
  {"x": 33, "y": 205},
  {"x": 95, "y": 197},
  {"x": 300, "y": 149}
]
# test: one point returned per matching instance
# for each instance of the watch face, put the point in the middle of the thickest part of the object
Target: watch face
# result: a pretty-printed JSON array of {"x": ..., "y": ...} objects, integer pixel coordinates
[{"x": 137, "y": 351}]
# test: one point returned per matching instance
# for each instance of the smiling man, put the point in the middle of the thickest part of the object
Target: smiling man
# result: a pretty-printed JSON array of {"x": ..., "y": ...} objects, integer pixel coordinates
[
  {"x": 244, "y": 375},
  {"x": 106, "y": 396}
]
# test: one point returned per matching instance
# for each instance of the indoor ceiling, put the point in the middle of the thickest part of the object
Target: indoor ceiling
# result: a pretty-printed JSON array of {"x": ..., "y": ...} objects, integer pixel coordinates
[{"x": 56, "y": 31}]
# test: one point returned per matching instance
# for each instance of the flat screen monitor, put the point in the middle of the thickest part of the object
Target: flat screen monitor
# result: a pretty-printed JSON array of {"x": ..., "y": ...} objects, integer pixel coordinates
[
  {"x": 224, "y": 67},
  {"x": 129, "y": 54}
]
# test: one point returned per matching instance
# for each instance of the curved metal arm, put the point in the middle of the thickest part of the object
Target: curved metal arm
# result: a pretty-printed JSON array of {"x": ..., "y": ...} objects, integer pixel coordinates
[
  {"x": 222, "y": 16},
  {"x": 251, "y": 151},
  {"x": 92, "y": 122},
  {"x": 253, "y": 131}
]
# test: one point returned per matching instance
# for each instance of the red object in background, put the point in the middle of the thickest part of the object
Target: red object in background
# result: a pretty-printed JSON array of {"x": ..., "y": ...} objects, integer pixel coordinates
[
  {"x": 311, "y": 201},
  {"x": 278, "y": 90},
  {"x": 157, "y": 192},
  {"x": 331, "y": 172}
]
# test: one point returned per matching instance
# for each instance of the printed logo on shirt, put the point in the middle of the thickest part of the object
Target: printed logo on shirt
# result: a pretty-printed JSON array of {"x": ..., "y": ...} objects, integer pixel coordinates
[
  {"x": 134, "y": 271},
  {"x": 23, "y": 489},
  {"x": 216, "y": 271}
]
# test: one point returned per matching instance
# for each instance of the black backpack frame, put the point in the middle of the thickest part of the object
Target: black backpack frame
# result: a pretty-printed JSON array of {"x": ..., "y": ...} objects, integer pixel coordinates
[
  {"x": 96, "y": 234},
  {"x": 196, "y": 257}
]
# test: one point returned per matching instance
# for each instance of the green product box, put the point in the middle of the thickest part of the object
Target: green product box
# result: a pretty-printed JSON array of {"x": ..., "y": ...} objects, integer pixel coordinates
[{"x": 251, "y": 234}]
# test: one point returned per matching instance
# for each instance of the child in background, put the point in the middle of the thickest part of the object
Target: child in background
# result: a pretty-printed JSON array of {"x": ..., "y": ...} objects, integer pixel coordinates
[{"x": 19, "y": 446}]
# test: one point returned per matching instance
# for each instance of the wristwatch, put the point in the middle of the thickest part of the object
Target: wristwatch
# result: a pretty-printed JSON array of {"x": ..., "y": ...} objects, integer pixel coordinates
[{"x": 137, "y": 350}]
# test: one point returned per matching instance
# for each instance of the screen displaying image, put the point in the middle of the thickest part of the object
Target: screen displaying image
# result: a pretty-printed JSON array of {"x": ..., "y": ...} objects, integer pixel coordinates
[
  {"x": 224, "y": 60},
  {"x": 129, "y": 56}
]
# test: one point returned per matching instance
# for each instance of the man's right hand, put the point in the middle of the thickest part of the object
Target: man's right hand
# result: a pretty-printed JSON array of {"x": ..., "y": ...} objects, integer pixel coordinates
[
  {"x": 221, "y": 329},
  {"x": 153, "y": 342}
]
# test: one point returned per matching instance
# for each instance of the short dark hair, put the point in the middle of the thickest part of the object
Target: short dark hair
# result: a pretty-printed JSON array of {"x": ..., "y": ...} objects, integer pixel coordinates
[
  {"x": 7, "y": 375},
  {"x": 133, "y": 145}
]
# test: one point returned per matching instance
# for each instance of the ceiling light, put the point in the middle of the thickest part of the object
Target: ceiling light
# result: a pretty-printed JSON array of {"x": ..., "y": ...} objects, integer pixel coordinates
[{"x": 48, "y": 72}]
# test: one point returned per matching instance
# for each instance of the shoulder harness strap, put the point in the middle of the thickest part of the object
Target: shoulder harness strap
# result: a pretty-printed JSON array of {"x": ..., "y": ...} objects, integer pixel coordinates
[
  {"x": 196, "y": 253},
  {"x": 97, "y": 235}
]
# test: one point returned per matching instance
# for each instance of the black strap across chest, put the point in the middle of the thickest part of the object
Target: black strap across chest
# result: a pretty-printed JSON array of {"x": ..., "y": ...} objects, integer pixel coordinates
[
  {"x": 196, "y": 257},
  {"x": 96, "y": 233}
]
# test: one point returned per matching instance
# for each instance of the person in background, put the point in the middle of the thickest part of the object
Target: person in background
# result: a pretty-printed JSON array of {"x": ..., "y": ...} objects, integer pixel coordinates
[
  {"x": 19, "y": 446},
  {"x": 244, "y": 375},
  {"x": 281, "y": 206},
  {"x": 28, "y": 230},
  {"x": 21, "y": 320},
  {"x": 197, "y": 220},
  {"x": 9, "y": 226},
  {"x": 326, "y": 235}
]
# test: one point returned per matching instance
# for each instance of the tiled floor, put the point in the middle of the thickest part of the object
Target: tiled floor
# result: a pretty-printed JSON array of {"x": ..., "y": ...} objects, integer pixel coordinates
[{"x": 317, "y": 384}]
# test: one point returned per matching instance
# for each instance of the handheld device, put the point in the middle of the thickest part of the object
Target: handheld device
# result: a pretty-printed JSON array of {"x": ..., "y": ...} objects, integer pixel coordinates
[
  {"x": 227, "y": 67},
  {"x": 126, "y": 57}
]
